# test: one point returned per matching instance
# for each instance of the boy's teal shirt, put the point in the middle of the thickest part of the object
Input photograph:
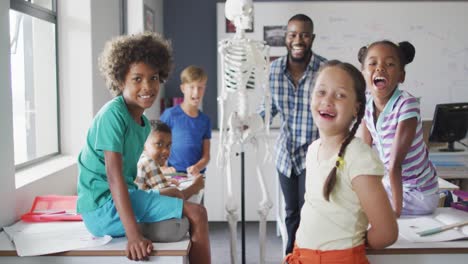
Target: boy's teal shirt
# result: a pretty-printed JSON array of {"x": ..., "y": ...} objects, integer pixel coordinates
[{"x": 113, "y": 129}]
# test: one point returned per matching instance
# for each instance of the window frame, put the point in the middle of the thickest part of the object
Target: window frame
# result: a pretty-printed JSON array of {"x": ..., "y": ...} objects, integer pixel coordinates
[{"x": 39, "y": 12}]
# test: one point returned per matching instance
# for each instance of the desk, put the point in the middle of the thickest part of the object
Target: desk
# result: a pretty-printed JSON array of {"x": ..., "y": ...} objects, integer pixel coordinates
[
  {"x": 113, "y": 252},
  {"x": 403, "y": 251},
  {"x": 446, "y": 185}
]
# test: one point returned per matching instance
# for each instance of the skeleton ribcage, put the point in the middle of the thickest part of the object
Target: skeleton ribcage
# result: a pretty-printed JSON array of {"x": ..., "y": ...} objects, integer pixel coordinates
[{"x": 239, "y": 68}]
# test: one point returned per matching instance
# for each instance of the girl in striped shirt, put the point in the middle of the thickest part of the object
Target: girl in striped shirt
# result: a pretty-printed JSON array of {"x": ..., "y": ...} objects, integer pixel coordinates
[{"x": 393, "y": 125}]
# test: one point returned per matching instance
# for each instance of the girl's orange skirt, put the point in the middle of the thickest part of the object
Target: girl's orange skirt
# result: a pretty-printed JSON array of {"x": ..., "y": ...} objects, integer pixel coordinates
[{"x": 356, "y": 255}]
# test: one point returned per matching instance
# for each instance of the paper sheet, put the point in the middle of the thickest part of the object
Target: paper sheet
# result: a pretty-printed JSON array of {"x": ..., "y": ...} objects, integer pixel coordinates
[
  {"x": 196, "y": 198},
  {"x": 32, "y": 239},
  {"x": 408, "y": 227}
]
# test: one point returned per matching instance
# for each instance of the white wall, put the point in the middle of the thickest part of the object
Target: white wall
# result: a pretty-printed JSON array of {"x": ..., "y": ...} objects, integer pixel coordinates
[
  {"x": 105, "y": 24},
  {"x": 135, "y": 24},
  {"x": 7, "y": 186}
]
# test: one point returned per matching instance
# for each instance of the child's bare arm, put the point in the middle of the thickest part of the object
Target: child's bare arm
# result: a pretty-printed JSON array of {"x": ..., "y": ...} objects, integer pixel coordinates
[
  {"x": 364, "y": 133},
  {"x": 374, "y": 201},
  {"x": 405, "y": 134},
  {"x": 197, "y": 184},
  {"x": 203, "y": 162},
  {"x": 172, "y": 191},
  {"x": 138, "y": 247}
]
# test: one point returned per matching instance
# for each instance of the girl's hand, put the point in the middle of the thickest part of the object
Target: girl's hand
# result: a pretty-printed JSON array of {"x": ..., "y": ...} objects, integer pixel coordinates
[
  {"x": 138, "y": 248},
  {"x": 193, "y": 170},
  {"x": 165, "y": 169}
]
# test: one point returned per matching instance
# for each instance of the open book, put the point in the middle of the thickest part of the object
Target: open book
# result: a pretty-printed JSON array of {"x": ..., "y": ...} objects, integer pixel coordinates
[{"x": 409, "y": 227}]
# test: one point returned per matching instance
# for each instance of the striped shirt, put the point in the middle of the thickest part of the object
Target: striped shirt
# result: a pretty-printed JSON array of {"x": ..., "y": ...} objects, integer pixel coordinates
[
  {"x": 417, "y": 170},
  {"x": 149, "y": 175},
  {"x": 297, "y": 129}
]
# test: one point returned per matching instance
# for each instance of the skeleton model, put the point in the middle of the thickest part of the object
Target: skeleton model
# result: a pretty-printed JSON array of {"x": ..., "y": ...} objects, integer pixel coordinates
[{"x": 244, "y": 67}]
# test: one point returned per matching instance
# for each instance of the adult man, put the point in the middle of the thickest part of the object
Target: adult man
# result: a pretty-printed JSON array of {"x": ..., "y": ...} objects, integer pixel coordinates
[{"x": 291, "y": 84}]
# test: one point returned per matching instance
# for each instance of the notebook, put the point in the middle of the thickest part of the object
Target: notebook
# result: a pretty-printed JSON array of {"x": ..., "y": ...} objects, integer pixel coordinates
[{"x": 409, "y": 227}]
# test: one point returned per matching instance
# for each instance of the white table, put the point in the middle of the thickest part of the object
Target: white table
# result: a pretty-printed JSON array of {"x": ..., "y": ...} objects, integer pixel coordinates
[
  {"x": 113, "y": 252},
  {"x": 403, "y": 251},
  {"x": 445, "y": 185}
]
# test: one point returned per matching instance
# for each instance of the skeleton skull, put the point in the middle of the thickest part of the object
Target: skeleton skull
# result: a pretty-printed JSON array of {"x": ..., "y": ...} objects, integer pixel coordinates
[{"x": 240, "y": 12}]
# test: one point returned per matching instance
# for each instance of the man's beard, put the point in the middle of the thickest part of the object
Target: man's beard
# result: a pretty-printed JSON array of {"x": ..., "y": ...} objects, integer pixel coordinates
[{"x": 303, "y": 59}]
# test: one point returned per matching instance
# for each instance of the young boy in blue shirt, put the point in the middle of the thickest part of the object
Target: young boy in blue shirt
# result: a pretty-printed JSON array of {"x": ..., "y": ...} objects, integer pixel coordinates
[{"x": 191, "y": 128}]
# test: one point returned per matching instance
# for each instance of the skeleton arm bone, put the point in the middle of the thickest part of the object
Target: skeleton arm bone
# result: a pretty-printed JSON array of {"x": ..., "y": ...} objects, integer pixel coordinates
[{"x": 221, "y": 157}]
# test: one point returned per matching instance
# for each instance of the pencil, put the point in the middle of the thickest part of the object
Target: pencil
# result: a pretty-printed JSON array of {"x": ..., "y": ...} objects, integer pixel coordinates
[{"x": 439, "y": 229}]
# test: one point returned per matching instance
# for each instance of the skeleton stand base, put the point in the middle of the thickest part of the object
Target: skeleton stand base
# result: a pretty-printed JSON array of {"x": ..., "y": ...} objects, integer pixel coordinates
[{"x": 243, "y": 201}]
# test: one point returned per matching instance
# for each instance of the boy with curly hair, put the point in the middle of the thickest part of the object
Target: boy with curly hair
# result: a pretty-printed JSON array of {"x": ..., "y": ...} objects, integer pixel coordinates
[{"x": 108, "y": 199}]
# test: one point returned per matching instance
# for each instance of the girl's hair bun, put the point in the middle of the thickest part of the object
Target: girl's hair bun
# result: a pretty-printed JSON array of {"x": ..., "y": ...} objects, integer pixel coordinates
[{"x": 408, "y": 51}]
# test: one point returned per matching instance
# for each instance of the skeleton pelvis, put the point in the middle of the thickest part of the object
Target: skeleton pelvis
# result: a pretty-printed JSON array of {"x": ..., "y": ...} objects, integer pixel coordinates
[{"x": 243, "y": 128}]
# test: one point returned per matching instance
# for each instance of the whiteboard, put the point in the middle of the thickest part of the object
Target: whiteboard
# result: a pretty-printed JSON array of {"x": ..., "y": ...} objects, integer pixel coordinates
[{"x": 438, "y": 30}]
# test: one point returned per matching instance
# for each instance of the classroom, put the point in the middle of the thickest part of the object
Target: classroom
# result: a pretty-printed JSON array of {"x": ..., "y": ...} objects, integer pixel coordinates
[{"x": 72, "y": 35}]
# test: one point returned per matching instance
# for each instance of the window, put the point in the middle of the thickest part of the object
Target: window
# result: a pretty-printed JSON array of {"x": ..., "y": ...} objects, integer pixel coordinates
[{"x": 33, "y": 54}]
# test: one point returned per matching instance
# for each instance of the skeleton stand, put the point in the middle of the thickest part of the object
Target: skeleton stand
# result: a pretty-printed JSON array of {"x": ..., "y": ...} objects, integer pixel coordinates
[
  {"x": 242, "y": 156},
  {"x": 244, "y": 66}
]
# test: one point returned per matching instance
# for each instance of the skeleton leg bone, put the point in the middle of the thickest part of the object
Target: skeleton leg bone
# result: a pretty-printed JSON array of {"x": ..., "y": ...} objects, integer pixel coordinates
[
  {"x": 265, "y": 204},
  {"x": 231, "y": 205}
]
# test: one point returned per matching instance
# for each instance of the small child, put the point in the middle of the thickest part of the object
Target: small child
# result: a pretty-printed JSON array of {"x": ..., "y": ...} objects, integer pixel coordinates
[
  {"x": 108, "y": 199},
  {"x": 155, "y": 155},
  {"x": 191, "y": 128},
  {"x": 344, "y": 192},
  {"x": 393, "y": 124}
]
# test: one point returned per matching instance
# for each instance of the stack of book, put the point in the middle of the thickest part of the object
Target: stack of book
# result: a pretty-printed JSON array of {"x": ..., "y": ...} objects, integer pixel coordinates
[{"x": 450, "y": 165}]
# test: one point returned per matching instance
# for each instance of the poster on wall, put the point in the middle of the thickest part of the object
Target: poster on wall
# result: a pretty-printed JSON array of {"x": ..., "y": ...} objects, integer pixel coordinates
[
  {"x": 149, "y": 19},
  {"x": 230, "y": 28},
  {"x": 272, "y": 58},
  {"x": 274, "y": 35}
]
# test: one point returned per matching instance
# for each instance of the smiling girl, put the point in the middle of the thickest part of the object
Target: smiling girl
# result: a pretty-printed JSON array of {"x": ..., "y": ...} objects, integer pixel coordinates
[
  {"x": 393, "y": 125},
  {"x": 344, "y": 191}
]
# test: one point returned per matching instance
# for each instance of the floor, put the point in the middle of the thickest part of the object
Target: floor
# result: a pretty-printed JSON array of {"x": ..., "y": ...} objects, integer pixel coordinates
[{"x": 220, "y": 247}]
